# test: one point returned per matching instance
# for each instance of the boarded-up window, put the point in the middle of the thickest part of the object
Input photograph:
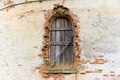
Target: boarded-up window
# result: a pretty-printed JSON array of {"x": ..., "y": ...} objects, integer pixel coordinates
[{"x": 61, "y": 42}]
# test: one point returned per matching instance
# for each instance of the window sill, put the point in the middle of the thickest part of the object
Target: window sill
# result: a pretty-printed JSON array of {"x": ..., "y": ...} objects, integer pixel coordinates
[{"x": 53, "y": 70}]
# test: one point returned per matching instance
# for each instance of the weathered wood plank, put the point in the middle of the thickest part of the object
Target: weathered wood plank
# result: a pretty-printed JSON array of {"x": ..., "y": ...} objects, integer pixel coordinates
[
  {"x": 57, "y": 40},
  {"x": 52, "y": 48},
  {"x": 60, "y": 43},
  {"x": 71, "y": 53},
  {"x": 66, "y": 38},
  {"x": 73, "y": 70},
  {"x": 61, "y": 29}
]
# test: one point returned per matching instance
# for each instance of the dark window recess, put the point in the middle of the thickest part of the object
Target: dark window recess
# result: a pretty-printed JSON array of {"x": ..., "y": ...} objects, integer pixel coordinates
[{"x": 61, "y": 42}]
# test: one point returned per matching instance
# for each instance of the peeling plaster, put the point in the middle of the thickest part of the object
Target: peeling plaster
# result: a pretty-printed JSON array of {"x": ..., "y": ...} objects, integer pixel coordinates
[{"x": 21, "y": 36}]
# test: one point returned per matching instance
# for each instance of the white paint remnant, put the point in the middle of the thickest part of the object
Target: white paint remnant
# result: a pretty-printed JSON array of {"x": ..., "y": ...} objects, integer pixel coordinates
[{"x": 21, "y": 36}]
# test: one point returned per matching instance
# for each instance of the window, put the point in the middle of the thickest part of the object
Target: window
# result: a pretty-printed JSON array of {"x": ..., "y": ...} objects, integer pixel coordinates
[
  {"x": 61, "y": 46},
  {"x": 61, "y": 42},
  {"x": 61, "y": 50}
]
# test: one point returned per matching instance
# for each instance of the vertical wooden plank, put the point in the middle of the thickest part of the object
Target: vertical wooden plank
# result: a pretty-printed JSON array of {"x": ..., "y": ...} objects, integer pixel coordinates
[
  {"x": 71, "y": 46},
  {"x": 51, "y": 55},
  {"x": 69, "y": 53},
  {"x": 58, "y": 32},
  {"x": 65, "y": 39},
  {"x": 61, "y": 40},
  {"x": 52, "y": 39},
  {"x": 57, "y": 40},
  {"x": 69, "y": 39},
  {"x": 72, "y": 55}
]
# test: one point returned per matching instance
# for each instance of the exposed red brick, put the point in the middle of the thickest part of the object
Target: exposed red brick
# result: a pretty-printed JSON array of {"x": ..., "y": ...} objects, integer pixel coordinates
[
  {"x": 106, "y": 75},
  {"x": 56, "y": 5},
  {"x": 101, "y": 62},
  {"x": 83, "y": 61},
  {"x": 89, "y": 71},
  {"x": 40, "y": 55},
  {"x": 45, "y": 75},
  {"x": 112, "y": 74},
  {"x": 83, "y": 73},
  {"x": 98, "y": 70},
  {"x": 92, "y": 62}
]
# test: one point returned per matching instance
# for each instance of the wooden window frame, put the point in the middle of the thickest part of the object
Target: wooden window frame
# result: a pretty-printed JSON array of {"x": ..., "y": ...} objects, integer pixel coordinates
[{"x": 62, "y": 69}]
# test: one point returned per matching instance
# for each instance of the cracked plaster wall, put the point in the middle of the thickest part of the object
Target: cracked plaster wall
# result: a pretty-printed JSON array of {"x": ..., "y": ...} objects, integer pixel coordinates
[{"x": 21, "y": 36}]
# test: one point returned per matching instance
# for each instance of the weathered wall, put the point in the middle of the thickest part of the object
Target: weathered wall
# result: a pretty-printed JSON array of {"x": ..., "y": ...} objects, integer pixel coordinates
[{"x": 21, "y": 36}]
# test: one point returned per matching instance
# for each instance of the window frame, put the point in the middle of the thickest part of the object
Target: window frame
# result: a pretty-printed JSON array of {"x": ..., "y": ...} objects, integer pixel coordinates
[{"x": 62, "y": 69}]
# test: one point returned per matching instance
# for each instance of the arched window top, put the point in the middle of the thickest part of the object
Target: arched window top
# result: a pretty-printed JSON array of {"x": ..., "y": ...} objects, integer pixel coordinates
[
  {"x": 59, "y": 17},
  {"x": 61, "y": 23}
]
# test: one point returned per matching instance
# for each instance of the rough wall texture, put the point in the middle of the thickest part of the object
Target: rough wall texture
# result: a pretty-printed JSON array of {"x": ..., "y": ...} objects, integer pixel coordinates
[{"x": 21, "y": 36}]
